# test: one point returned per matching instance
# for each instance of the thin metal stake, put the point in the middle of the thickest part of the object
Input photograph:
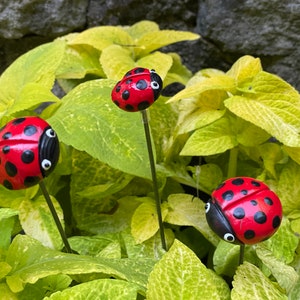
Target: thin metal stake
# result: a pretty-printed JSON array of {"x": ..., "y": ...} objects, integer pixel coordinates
[
  {"x": 242, "y": 252},
  {"x": 154, "y": 179},
  {"x": 55, "y": 216}
]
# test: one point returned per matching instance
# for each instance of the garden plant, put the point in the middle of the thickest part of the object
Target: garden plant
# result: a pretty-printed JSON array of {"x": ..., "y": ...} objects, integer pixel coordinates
[{"x": 242, "y": 122}]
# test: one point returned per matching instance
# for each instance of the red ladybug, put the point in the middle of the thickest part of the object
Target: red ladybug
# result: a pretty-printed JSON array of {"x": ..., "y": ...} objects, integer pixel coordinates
[
  {"x": 138, "y": 89},
  {"x": 244, "y": 210},
  {"x": 29, "y": 151}
]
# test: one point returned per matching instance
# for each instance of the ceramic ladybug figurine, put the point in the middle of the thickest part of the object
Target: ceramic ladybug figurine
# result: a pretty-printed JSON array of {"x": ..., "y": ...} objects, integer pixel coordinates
[
  {"x": 244, "y": 210},
  {"x": 138, "y": 89},
  {"x": 29, "y": 151}
]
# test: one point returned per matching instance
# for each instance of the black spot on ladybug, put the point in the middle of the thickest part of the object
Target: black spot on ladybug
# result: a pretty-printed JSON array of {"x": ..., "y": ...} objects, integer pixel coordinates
[
  {"x": 141, "y": 84},
  {"x": 117, "y": 103},
  {"x": 249, "y": 234},
  {"x": 27, "y": 157},
  {"x": 260, "y": 217},
  {"x": 128, "y": 81},
  {"x": 129, "y": 107},
  {"x": 30, "y": 130},
  {"x": 118, "y": 88},
  {"x": 253, "y": 202},
  {"x": 268, "y": 201},
  {"x": 125, "y": 95},
  {"x": 5, "y": 149},
  {"x": 18, "y": 121},
  {"x": 228, "y": 195},
  {"x": 143, "y": 105},
  {"x": 7, "y": 184},
  {"x": 239, "y": 213},
  {"x": 276, "y": 221},
  {"x": 244, "y": 192},
  {"x": 7, "y": 135},
  {"x": 139, "y": 70},
  {"x": 11, "y": 169},
  {"x": 238, "y": 181},
  {"x": 31, "y": 181},
  {"x": 255, "y": 183}
]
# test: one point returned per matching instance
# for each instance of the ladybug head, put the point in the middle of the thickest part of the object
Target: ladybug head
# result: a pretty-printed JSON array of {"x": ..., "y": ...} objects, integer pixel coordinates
[
  {"x": 218, "y": 222},
  {"x": 48, "y": 151},
  {"x": 156, "y": 83}
]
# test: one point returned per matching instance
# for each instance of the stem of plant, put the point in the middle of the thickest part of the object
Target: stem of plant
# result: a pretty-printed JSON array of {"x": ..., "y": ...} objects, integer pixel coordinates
[
  {"x": 232, "y": 164},
  {"x": 242, "y": 252},
  {"x": 154, "y": 179},
  {"x": 55, "y": 216}
]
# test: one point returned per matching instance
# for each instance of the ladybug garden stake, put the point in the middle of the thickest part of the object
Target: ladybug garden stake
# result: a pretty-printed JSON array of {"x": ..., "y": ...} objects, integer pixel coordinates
[
  {"x": 244, "y": 210},
  {"x": 136, "y": 91},
  {"x": 29, "y": 151}
]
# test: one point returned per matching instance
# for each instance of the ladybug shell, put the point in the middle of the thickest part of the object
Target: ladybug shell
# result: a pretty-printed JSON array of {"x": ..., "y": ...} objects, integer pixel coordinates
[
  {"x": 138, "y": 89},
  {"x": 244, "y": 210},
  {"x": 29, "y": 151}
]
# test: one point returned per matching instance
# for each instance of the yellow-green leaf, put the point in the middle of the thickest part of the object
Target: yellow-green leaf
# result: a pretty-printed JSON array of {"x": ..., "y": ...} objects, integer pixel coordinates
[
  {"x": 156, "y": 39},
  {"x": 102, "y": 37},
  {"x": 273, "y": 113},
  {"x": 116, "y": 61},
  {"x": 181, "y": 275},
  {"x": 144, "y": 222},
  {"x": 141, "y": 28},
  {"x": 250, "y": 283},
  {"x": 219, "y": 82},
  {"x": 214, "y": 138},
  {"x": 37, "y": 67},
  {"x": 244, "y": 68}
]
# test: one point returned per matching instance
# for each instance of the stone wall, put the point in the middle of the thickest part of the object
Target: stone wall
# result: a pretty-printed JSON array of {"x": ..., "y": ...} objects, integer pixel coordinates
[{"x": 229, "y": 28}]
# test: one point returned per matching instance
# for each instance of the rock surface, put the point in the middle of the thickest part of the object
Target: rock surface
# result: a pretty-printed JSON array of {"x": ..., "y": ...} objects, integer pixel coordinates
[{"x": 229, "y": 28}]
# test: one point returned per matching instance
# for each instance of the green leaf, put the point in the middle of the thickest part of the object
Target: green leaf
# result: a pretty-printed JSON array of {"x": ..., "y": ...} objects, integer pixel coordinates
[
  {"x": 93, "y": 245},
  {"x": 154, "y": 40},
  {"x": 8, "y": 218},
  {"x": 31, "y": 261},
  {"x": 272, "y": 105},
  {"x": 37, "y": 221},
  {"x": 214, "y": 138},
  {"x": 250, "y": 283},
  {"x": 284, "y": 243},
  {"x": 186, "y": 210},
  {"x": 99, "y": 289},
  {"x": 89, "y": 121},
  {"x": 144, "y": 222},
  {"x": 186, "y": 276},
  {"x": 288, "y": 188},
  {"x": 244, "y": 68},
  {"x": 79, "y": 61},
  {"x": 6, "y": 293},
  {"x": 99, "y": 223},
  {"x": 207, "y": 176},
  {"x": 37, "y": 67},
  {"x": 285, "y": 275},
  {"x": 102, "y": 37}
]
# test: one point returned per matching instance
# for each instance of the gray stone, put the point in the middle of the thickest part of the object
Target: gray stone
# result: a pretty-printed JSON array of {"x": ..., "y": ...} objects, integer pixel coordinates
[
  {"x": 267, "y": 29},
  {"x": 46, "y": 18}
]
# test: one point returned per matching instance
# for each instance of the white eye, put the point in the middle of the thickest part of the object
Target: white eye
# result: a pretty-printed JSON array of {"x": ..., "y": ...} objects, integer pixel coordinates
[
  {"x": 51, "y": 133},
  {"x": 155, "y": 85},
  {"x": 46, "y": 164},
  {"x": 207, "y": 207},
  {"x": 228, "y": 237}
]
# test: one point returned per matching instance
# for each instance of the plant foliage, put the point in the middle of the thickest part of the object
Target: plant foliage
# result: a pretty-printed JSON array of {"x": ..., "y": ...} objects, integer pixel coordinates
[{"x": 243, "y": 122}]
